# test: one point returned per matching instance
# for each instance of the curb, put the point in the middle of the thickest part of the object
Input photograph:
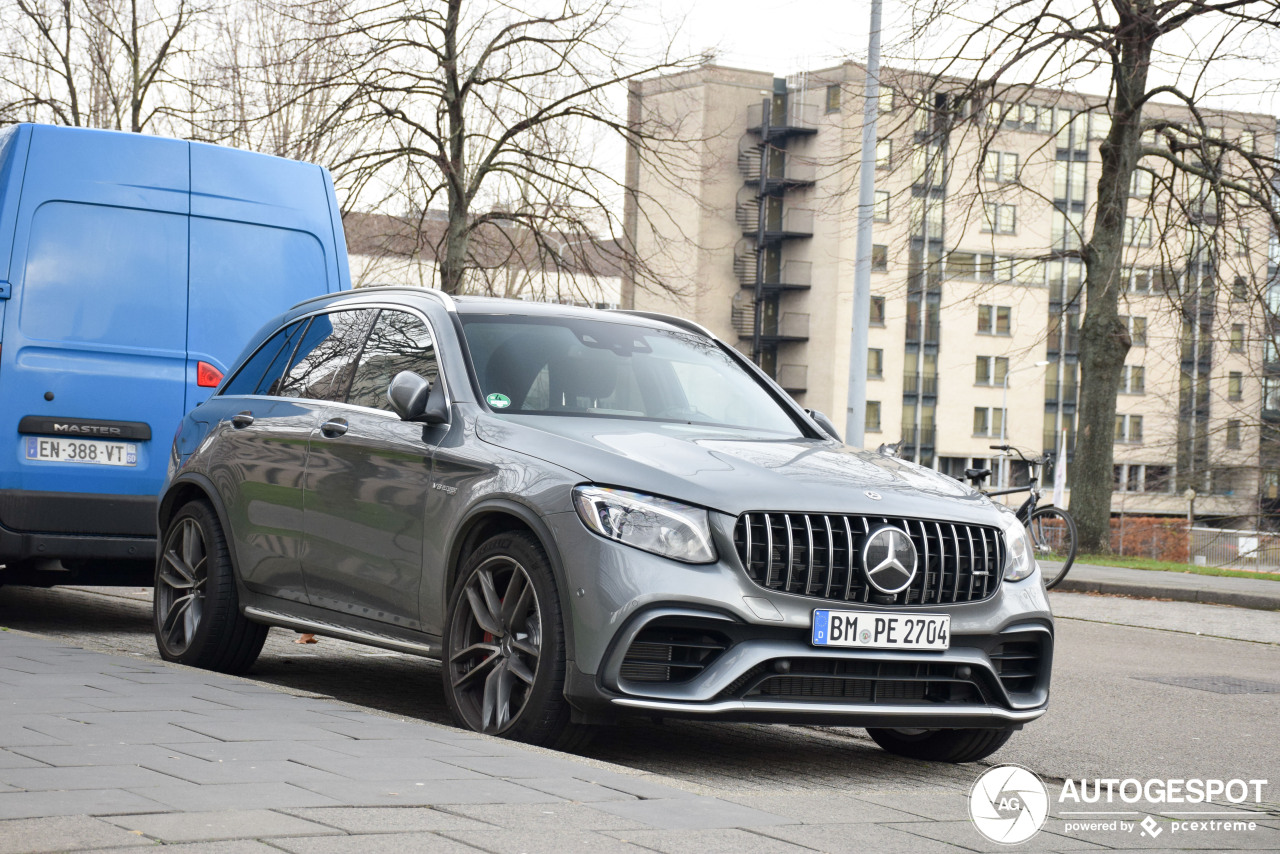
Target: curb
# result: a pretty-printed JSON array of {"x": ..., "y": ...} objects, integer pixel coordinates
[{"x": 1253, "y": 601}]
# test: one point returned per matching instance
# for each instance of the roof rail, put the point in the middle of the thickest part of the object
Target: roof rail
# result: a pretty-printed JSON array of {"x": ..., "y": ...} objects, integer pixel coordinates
[{"x": 687, "y": 325}]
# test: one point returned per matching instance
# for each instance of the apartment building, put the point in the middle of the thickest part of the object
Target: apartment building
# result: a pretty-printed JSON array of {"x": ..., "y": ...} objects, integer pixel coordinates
[{"x": 976, "y": 277}]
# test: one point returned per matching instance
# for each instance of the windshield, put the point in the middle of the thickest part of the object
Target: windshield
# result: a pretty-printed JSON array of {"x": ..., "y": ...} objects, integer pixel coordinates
[{"x": 575, "y": 366}]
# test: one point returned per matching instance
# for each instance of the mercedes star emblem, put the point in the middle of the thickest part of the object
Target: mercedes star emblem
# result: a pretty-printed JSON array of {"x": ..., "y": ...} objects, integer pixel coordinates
[{"x": 889, "y": 559}]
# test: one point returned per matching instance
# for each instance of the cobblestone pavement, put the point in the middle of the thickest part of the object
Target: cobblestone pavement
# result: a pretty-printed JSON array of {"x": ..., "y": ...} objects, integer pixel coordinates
[{"x": 826, "y": 789}]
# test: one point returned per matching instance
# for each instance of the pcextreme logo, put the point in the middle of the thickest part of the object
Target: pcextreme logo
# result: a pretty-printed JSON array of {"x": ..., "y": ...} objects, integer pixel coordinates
[{"x": 1008, "y": 804}]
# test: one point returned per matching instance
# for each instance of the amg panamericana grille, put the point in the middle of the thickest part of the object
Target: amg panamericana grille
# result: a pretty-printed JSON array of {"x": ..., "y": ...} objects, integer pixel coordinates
[{"x": 820, "y": 555}]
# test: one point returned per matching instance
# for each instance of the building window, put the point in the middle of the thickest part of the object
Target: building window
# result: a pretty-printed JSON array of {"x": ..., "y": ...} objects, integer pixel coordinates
[
  {"x": 833, "y": 98},
  {"x": 1133, "y": 379},
  {"x": 1068, "y": 180},
  {"x": 1137, "y": 330},
  {"x": 873, "y": 417},
  {"x": 1239, "y": 288},
  {"x": 988, "y": 421},
  {"x": 1000, "y": 166},
  {"x": 1137, "y": 279},
  {"x": 994, "y": 319},
  {"x": 1237, "y": 338},
  {"x": 884, "y": 154},
  {"x": 1140, "y": 184},
  {"x": 1157, "y": 479},
  {"x": 1065, "y": 229},
  {"x": 1129, "y": 429},
  {"x": 982, "y": 267},
  {"x": 1233, "y": 435},
  {"x": 882, "y": 206},
  {"x": 875, "y": 364},
  {"x": 879, "y": 257},
  {"x": 999, "y": 218},
  {"x": 886, "y": 100},
  {"x": 877, "y": 311},
  {"x": 1235, "y": 385},
  {"x": 991, "y": 370},
  {"x": 1242, "y": 241},
  {"x": 1137, "y": 231}
]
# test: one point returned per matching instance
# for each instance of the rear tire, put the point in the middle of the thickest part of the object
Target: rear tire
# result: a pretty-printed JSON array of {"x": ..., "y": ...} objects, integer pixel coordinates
[
  {"x": 196, "y": 608},
  {"x": 504, "y": 658},
  {"x": 942, "y": 745},
  {"x": 1053, "y": 536}
]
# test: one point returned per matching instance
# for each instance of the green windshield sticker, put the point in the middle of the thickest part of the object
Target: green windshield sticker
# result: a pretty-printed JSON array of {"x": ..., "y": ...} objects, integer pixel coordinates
[{"x": 498, "y": 401}]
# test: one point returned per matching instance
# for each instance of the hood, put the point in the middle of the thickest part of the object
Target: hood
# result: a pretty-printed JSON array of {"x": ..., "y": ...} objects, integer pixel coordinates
[{"x": 736, "y": 472}]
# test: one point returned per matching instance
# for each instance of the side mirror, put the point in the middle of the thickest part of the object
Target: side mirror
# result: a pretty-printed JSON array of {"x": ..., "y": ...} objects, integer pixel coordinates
[
  {"x": 825, "y": 423},
  {"x": 412, "y": 399}
]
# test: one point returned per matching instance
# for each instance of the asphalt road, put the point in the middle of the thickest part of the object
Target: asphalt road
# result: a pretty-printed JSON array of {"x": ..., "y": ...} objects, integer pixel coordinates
[{"x": 1111, "y": 714}]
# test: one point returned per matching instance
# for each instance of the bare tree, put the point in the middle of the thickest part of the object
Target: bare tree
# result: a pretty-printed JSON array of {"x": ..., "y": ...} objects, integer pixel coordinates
[
  {"x": 1203, "y": 173},
  {"x": 93, "y": 63},
  {"x": 496, "y": 113}
]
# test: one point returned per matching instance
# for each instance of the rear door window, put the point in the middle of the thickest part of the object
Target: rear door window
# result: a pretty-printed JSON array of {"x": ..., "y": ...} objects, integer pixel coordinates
[
  {"x": 266, "y": 365},
  {"x": 399, "y": 341},
  {"x": 320, "y": 368}
]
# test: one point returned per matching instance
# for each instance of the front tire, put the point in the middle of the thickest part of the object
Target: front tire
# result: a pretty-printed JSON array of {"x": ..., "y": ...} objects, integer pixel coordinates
[
  {"x": 504, "y": 649},
  {"x": 196, "y": 608},
  {"x": 942, "y": 745}
]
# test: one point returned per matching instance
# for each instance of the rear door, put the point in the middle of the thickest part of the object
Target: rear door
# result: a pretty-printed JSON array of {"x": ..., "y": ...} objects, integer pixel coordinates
[
  {"x": 94, "y": 346},
  {"x": 262, "y": 240},
  {"x": 368, "y": 476}
]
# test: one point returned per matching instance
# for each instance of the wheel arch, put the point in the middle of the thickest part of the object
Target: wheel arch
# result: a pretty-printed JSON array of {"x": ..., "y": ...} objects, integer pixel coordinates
[
  {"x": 184, "y": 490},
  {"x": 498, "y": 516}
]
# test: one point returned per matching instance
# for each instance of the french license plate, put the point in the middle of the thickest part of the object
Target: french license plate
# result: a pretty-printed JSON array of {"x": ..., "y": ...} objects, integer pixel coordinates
[
  {"x": 93, "y": 451},
  {"x": 872, "y": 630}
]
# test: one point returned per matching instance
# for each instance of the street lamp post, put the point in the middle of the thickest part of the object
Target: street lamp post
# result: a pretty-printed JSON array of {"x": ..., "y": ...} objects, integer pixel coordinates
[{"x": 1004, "y": 417}]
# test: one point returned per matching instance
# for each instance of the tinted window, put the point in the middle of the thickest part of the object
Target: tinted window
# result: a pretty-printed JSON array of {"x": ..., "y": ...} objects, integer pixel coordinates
[
  {"x": 576, "y": 366},
  {"x": 398, "y": 342},
  {"x": 320, "y": 368},
  {"x": 266, "y": 365}
]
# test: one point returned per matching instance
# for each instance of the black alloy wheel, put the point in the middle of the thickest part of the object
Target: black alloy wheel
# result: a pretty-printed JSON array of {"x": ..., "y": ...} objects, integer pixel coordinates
[
  {"x": 504, "y": 648},
  {"x": 196, "y": 608},
  {"x": 180, "y": 585}
]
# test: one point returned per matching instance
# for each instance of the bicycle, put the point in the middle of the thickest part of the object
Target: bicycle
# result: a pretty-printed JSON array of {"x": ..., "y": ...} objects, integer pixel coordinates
[{"x": 1052, "y": 530}]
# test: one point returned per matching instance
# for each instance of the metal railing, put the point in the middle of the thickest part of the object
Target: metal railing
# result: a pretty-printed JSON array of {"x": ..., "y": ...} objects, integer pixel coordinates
[
  {"x": 1235, "y": 549},
  {"x": 793, "y": 221},
  {"x": 793, "y": 377},
  {"x": 797, "y": 116},
  {"x": 917, "y": 384},
  {"x": 930, "y": 332}
]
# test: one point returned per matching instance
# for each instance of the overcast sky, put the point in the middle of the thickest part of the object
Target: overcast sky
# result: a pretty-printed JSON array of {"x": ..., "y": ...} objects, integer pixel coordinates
[{"x": 786, "y": 37}]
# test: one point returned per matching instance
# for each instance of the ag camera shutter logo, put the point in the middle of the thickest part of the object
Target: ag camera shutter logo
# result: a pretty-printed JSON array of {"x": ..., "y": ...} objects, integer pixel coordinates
[{"x": 1008, "y": 804}]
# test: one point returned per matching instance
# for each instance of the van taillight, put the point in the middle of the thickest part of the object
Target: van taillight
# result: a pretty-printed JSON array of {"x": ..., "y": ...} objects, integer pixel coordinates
[{"x": 207, "y": 376}]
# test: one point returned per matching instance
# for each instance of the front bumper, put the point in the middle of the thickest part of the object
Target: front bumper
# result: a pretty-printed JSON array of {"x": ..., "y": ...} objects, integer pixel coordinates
[{"x": 653, "y": 636}]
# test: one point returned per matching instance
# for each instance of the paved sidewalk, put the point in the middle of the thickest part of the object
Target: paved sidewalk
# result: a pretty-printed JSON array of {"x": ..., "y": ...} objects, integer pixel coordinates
[
  {"x": 108, "y": 752},
  {"x": 1257, "y": 593}
]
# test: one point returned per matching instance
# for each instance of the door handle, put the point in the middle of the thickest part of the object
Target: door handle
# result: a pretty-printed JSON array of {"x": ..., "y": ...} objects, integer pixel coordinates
[
  {"x": 242, "y": 419},
  {"x": 334, "y": 428}
]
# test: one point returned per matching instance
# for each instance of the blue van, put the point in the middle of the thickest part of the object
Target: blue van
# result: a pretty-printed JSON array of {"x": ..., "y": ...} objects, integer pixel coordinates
[{"x": 133, "y": 269}]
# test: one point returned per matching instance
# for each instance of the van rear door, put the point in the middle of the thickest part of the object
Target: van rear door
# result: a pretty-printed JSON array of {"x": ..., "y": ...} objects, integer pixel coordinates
[
  {"x": 94, "y": 345},
  {"x": 262, "y": 239},
  {"x": 13, "y": 158}
]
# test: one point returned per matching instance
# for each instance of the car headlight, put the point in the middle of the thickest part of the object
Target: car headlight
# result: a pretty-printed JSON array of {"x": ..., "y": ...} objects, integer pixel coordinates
[
  {"x": 1019, "y": 561},
  {"x": 657, "y": 525}
]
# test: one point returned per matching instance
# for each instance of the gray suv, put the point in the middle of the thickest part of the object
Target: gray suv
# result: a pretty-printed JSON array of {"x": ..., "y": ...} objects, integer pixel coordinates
[{"x": 585, "y": 515}]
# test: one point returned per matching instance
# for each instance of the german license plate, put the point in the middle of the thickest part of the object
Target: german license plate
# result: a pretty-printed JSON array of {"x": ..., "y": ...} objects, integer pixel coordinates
[
  {"x": 873, "y": 630},
  {"x": 92, "y": 451}
]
